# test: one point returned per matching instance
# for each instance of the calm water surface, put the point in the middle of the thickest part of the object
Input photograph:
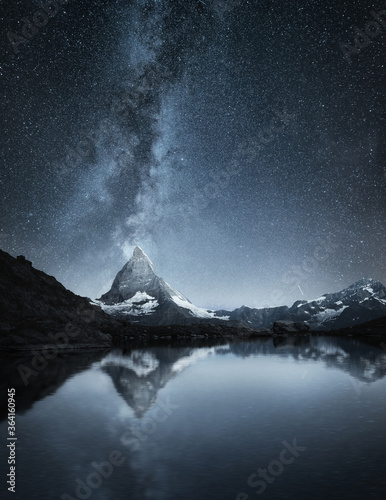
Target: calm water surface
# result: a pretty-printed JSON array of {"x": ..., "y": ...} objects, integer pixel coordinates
[{"x": 287, "y": 419}]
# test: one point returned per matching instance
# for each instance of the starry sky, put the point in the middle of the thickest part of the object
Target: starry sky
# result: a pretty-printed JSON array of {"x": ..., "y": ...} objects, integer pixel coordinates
[{"x": 240, "y": 143}]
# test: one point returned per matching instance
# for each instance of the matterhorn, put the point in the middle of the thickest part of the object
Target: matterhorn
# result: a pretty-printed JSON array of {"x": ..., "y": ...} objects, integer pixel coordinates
[{"x": 139, "y": 295}]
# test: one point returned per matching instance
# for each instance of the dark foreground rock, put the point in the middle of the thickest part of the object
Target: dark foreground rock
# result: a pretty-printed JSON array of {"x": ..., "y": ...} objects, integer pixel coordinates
[
  {"x": 35, "y": 308},
  {"x": 374, "y": 328},
  {"x": 35, "y": 378}
]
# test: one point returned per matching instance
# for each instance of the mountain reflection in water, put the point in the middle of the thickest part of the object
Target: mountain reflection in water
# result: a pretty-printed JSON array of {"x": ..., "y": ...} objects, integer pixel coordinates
[{"x": 197, "y": 422}]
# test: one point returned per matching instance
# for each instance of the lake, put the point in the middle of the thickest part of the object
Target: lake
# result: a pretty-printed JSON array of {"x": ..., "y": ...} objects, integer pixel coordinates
[{"x": 282, "y": 418}]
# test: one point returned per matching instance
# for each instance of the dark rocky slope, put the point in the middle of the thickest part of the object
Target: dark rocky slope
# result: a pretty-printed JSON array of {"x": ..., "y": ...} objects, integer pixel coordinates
[{"x": 35, "y": 307}]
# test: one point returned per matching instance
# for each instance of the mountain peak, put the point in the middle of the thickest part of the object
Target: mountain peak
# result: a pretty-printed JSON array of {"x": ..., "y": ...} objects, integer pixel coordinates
[
  {"x": 138, "y": 252},
  {"x": 363, "y": 283},
  {"x": 138, "y": 282},
  {"x": 140, "y": 261}
]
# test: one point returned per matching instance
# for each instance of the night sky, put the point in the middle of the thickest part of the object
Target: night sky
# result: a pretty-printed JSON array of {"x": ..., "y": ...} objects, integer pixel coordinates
[{"x": 236, "y": 141}]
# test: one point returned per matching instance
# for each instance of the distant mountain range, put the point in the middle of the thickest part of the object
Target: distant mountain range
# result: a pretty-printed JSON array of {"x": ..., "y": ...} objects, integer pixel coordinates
[
  {"x": 139, "y": 295},
  {"x": 362, "y": 301}
]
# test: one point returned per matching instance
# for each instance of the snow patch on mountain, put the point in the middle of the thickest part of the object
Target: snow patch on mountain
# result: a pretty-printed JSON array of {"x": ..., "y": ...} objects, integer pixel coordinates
[
  {"x": 177, "y": 293},
  {"x": 141, "y": 304},
  {"x": 197, "y": 312},
  {"x": 373, "y": 295},
  {"x": 328, "y": 314}
]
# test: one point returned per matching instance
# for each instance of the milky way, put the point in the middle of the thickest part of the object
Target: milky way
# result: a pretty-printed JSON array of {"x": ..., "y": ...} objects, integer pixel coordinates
[{"x": 240, "y": 143}]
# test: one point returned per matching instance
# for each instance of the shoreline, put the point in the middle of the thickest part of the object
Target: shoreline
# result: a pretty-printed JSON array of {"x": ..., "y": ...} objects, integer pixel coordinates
[{"x": 373, "y": 332}]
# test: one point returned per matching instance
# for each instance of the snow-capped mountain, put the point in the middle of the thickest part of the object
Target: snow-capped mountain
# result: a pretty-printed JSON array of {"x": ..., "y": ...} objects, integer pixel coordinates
[
  {"x": 138, "y": 294},
  {"x": 363, "y": 301}
]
